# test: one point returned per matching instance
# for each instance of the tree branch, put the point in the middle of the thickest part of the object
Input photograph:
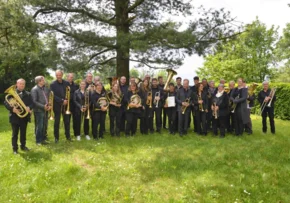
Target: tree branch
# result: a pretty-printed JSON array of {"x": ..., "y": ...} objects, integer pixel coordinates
[
  {"x": 146, "y": 64},
  {"x": 135, "y": 5},
  {"x": 81, "y": 11},
  {"x": 97, "y": 54}
]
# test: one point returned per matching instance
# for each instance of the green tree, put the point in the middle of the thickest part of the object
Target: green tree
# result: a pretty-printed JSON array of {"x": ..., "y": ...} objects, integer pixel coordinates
[
  {"x": 22, "y": 53},
  {"x": 120, "y": 31},
  {"x": 134, "y": 73},
  {"x": 250, "y": 55}
]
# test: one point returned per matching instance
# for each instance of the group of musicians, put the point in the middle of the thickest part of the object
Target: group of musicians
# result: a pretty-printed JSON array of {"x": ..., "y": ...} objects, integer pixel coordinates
[{"x": 218, "y": 109}]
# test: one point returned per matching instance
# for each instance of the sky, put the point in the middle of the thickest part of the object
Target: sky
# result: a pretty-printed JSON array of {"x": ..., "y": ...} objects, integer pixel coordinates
[{"x": 270, "y": 12}]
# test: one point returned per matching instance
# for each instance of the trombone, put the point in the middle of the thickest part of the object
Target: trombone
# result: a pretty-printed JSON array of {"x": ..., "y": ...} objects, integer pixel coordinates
[
  {"x": 67, "y": 96},
  {"x": 50, "y": 103},
  {"x": 87, "y": 104},
  {"x": 268, "y": 103}
]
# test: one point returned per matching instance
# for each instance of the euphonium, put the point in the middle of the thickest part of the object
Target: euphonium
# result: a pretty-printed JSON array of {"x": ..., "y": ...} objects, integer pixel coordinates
[
  {"x": 170, "y": 74},
  {"x": 183, "y": 108},
  {"x": 67, "y": 96},
  {"x": 251, "y": 90},
  {"x": 50, "y": 103},
  {"x": 13, "y": 99}
]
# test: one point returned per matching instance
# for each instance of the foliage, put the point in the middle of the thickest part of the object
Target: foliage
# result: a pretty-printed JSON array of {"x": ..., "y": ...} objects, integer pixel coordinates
[
  {"x": 134, "y": 73},
  {"x": 22, "y": 53},
  {"x": 152, "y": 168},
  {"x": 250, "y": 55},
  {"x": 103, "y": 32}
]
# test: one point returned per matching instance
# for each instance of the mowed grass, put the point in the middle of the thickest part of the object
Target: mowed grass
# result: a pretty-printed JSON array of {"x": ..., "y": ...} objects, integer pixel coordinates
[{"x": 152, "y": 168}]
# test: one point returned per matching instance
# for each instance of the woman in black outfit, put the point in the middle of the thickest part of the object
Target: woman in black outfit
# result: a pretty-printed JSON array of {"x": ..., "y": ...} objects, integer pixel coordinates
[
  {"x": 171, "y": 111},
  {"x": 80, "y": 109},
  {"x": 201, "y": 108},
  {"x": 220, "y": 109},
  {"x": 133, "y": 110},
  {"x": 146, "y": 90},
  {"x": 116, "y": 100}
]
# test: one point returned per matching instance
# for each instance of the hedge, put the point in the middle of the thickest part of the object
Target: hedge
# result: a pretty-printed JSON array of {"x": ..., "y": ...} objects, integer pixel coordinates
[{"x": 282, "y": 104}]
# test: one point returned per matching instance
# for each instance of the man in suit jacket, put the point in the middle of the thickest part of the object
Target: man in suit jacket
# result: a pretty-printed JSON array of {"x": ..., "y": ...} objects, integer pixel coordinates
[
  {"x": 18, "y": 123},
  {"x": 183, "y": 118},
  {"x": 40, "y": 97}
]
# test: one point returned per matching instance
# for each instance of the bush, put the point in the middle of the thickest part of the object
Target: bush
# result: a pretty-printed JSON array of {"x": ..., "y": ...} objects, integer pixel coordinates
[{"x": 282, "y": 104}]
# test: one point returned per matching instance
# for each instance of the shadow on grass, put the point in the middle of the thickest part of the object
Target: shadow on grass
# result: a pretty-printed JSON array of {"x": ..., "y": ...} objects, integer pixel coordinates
[{"x": 36, "y": 156}]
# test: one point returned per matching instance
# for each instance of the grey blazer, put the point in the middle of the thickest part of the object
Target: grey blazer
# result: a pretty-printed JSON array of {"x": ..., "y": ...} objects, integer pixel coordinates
[{"x": 38, "y": 97}]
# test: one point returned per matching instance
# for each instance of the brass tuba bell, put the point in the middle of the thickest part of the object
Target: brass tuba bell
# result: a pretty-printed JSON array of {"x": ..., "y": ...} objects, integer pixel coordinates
[
  {"x": 13, "y": 99},
  {"x": 170, "y": 75}
]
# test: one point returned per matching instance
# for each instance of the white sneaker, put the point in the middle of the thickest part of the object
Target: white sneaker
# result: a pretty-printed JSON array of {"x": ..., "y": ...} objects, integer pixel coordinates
[
  {"x": 88, "y": 137},
  {"x": 78, "y": 138}
]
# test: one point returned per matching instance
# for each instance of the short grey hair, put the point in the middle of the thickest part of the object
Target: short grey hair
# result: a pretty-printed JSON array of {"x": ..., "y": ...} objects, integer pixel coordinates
[
  {"x": 37, "y": 79},
  {"x": 232, "y": 82},
  {"x": 20, "y": 80},
  {"x": 265, "y": 82},
  {"x": 221, "y": 85}
]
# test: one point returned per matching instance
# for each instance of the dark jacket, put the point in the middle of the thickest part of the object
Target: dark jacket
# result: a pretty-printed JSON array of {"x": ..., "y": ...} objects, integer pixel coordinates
[
  {"x": 59, "y": 91},
  {"x": 128, "y": 99},
  {"x": 223, "y": 103},
  {"x": 40, "y": 97},
  {"x": 26, "y": 98},
  {"x": 78, "y": 100},
  {"x": 73, "y": 88},
  {"x": 154, "y": 91},
  {"x": 262, "y": 95},
  {"x": 181, "y": 96},
  {"x": 114, "y": 110},
  {"x": 95, "y": 99},
  {"x": 204, "y": 97},
  {"x": 242, "y": 106}
]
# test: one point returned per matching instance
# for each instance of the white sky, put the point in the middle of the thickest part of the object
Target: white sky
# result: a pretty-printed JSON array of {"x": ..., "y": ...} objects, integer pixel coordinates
[{"x": 270, "y": 12}]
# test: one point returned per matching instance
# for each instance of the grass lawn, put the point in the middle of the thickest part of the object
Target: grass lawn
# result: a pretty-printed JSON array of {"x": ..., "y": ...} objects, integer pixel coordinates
[{"x": 152, "y": 168}]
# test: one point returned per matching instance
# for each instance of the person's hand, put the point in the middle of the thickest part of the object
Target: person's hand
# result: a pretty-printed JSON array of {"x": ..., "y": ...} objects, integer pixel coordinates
[
  {"x": 216, "y": 108},
  {"x": 15, "y": 110},
  {"x": 157, "y": 98},
  {"x": 28, "y": 109},
  {"x": 200, "y": 101},
  {"x": 184, "y": 103},
  {"x": 118, "y": 105},
  {"x": 104, "y": 108},
  {"x": 65, "y": 102}
]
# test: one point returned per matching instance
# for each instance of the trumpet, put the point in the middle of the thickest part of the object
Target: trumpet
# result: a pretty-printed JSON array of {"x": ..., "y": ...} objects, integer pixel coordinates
[
  {"x": 50, "y": 103},
  {"x": 200, "y": 105},
  {"x": 67, "y": 96},
  {"x": 268, "y": 104},
  {"x": 157, "y": 94},
  {"x": 183, "y": 108},
  {"x": 149, "y": 99},
  {"x": 87, "y": 104}
]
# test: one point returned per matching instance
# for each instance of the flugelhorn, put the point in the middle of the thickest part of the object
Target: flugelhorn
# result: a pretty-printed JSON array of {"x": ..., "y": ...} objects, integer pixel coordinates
[
  {"x": 13, "y": 99},
  {"x": 170, "y": 74}
]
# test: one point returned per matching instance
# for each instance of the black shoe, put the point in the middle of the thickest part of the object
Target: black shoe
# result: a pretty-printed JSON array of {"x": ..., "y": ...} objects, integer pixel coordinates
[
  {"x": 95, "y": 138},
  {"x": 45, "y": 142},
  {"x": 25, "y": 149},
  {"x": 15, "y": 152},
  {"x": 151, "y": 131},
  {"x": 127, "y": 135},
  {"x": 56, "y": 140},
  {"x": 181, "y": 134},
  {"x": 164, "y": 127},
  {"x": 273, "y": 133}
]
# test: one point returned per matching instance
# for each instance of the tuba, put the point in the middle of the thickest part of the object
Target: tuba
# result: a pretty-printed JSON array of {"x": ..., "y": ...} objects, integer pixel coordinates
[
  {"x": 67, "y": 96},
  {"x": 13, "y": 99},
  {"x": 170, "y": 75},
  {"x": 113, "y": 80},
  {"x": 252, "y": 88}
]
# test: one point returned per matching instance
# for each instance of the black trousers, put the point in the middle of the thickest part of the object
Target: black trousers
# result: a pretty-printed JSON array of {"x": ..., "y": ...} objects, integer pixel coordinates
[
  {"x": 171, "y": 113},
  {"x": 209, "y": 119},
  {"x": 219, "y": 123},
  {"x": 115, "y": 121},
  {"x": 193, "y": 112},
  {"x": 248, "y": 126},
  {"x": 231, "y": 122},
  {"x": 79, "y": 119},
  {"x": 268, "y": 111},
  {"x": 145, "y": 120},
  {"x": 239, "y": 125},
  {"x": 200, "y": 118},
  {"x": 131, "y": 125},
  {"x": 66, "y": 121},
  {"x": 183, "y": 121},
  {"x": 164, "y": 115},
  {"x": 75, "y": 120},
  {"x": 15, "y": 130},
  {"x": 122, "y": 119},
  {"x": 156, "y": 112},
  {"x": 98, "y": 124}
]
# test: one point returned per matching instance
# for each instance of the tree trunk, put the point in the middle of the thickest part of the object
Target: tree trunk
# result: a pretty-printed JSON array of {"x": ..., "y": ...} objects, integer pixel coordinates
[{"x": 123, "y": 44}]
